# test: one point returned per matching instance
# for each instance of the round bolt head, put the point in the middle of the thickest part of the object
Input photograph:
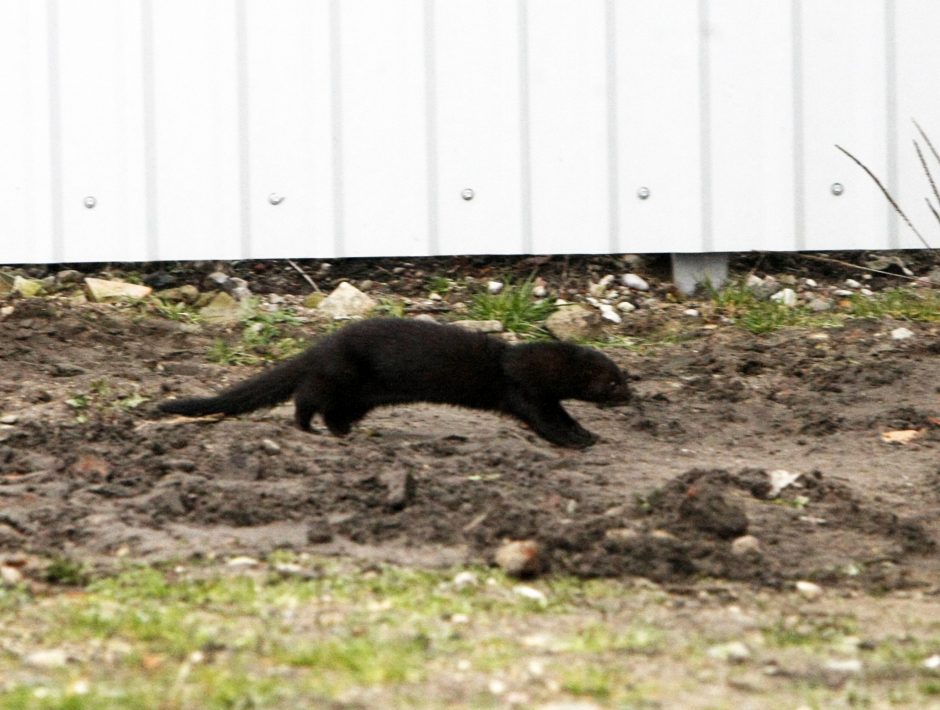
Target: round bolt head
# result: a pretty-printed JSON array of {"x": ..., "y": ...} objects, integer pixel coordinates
[
  {"x": 467, "y": 194},
  {"x": 837, "y": 188},
  {"x": 90, "y": 201},
  {"x": 275, "y": 199},
  {"x": 643, "y": 193}
]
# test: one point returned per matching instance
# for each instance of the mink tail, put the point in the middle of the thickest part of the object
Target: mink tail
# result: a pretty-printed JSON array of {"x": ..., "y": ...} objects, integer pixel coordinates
[{"x": 273, "y": 386}]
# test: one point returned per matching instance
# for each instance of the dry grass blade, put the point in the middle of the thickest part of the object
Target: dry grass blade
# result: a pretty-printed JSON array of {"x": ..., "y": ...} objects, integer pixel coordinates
[
  {"x": 927, "y": 141},
  {"x": 923, "y": 164},
  {"x": 932, "y": 209},
  {"x": 891, "y": 200}
]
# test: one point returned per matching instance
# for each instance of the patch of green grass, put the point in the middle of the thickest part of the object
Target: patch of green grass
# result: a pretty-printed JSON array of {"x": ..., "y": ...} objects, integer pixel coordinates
[
  {"x": 441, "y": 285},
  {"x": 899, "y": 303},
  {"x": 101, "y": 398},
  {"x": 263, "y": 339},
  {"x": 747, "y": 311},
  {"x": 514, "y": 306},
  {"x": 813, "y": 632},
  {"x": 390, "y": 308},
  {"x": 738, "y": 303},
  {"x": 178, "y": 311}
]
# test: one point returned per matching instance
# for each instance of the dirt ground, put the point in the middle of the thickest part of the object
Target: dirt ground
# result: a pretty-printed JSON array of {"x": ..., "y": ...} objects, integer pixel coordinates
[{"x": 674, "y": 481}]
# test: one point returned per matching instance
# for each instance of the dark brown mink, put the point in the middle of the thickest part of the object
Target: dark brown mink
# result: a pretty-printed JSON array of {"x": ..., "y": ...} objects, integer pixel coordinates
[{"x": 385, "y": 361}]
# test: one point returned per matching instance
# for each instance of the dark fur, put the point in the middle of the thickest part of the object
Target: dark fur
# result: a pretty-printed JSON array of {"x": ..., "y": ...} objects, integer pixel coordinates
[{"x": 394, "y": 361}]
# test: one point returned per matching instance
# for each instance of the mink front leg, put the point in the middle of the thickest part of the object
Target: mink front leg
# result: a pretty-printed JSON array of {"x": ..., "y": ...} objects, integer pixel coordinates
[{"x": 549, "y": 420}]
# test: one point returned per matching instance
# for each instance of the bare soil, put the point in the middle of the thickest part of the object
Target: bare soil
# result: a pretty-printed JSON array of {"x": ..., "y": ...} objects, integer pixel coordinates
[{"x": 674, "y": 481}]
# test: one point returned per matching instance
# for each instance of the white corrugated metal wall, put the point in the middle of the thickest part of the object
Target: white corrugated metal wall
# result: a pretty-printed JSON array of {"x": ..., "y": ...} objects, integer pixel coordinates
[{"x": 183, "y": 129}]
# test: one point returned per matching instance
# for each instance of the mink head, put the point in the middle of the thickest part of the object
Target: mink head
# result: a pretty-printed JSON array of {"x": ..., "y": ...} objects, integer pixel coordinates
[{"x": 603, "y": 381}]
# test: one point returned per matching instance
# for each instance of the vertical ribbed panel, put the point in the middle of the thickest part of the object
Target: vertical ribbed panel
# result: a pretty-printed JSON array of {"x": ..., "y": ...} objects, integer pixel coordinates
[{"x": 288, "y": 128}]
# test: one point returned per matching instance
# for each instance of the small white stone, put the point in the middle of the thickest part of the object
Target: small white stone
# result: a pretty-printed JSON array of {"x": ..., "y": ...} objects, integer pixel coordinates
[
  {"x": 270, "y": 446},
  {"x": 635, "y": 282},
  {"x": 810, "y": 283},
  {"x": 786, "y": 296},
  {"x": 48, "y": 658},
  {"x": 494, "y": 287},
  {"x": 852, "y": 283},
  {"x": 242, "y": 561},
  {"x": 809, "y": 590},
  {"x": 460, "y": 619},
  {"x": 497, "y": 687},
  {"x": 842, "y": 292},
  {"x": 744, "y": 545},
  {"x": 866, "y": 292},
  {"x": 530, "y": 593},
  {"x": 844, "y": 665},
  {"x": 609, "y": 314},
  {"x": 902, "y": 334},
  {"x": 539, "y": 291},
  {"x": 733, "y": 652},
  {"x": 933, "y": 662},
  {"x": 626, "y": 307},
  {"x": 691, "y": 312},
  {"x": 465, "y": 579},
  {"x": 779, "y": 480},
  {"x": 10, "y": 575}
]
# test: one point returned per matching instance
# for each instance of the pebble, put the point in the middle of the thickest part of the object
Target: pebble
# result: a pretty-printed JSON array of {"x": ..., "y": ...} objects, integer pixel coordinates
[
  {"x": 732, "y": 652},
  {"x": 866, "y": 292},
  {"x": 852, "y": 283},
  {"x": 786, "y": 296},
  {"x": 810, "y": 283},
  {"x": 901, "y": 334},
  {"x": 744, "y": 545},
  {"x": 819, "y": 305},
  {"x": 519, "y": 558},
  {"x": 626, "y": 307},
  {"x": 932, "y": 663},
  {"x": 530, "y": 593},
  {"x": 242, "y": 561},
  {"x": 48, "y": 658},
  {"x": 465, "y": 579},
  {"x": 779, "y": 480},
  {"x": 494, "y": 287},
  {"x": 609, "y": 314},
  {"x": 849, "y": 666},
  {"x": 270, "y": 446},
  {"x": 809, "y": 590},
  {"x": 10, "y": 576},
  {"x": 843, "y": 292},
  {"x": 9, "y": 419},
  {"x": 635, "y": 282},
  {"x": 600, "y": 288},
  {"x": 691, "y": 312}
]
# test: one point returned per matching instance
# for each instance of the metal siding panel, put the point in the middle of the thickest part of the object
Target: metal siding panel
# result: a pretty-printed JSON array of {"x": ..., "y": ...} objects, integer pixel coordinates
[
  {"x": 288, "y": 51},
  {"x": 918, "y": 74},
  {"x": 101, "y": 125},
  {"x": 383, "y": 128},
  {"x": 478, "y": 115},
  {"x": 844, "y": 103},
  {"x": 657, "y": 126},
  {"x": 568, "y": 126},
  {"x": 196, "y": 130},
  {"x": 751, "y": 125},
  {"x": 25, "y": 180}
]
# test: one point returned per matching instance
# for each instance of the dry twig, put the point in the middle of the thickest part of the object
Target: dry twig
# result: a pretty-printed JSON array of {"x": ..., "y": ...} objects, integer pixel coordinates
[
  {"x": 304, "y": 274},
  {"x": 891, "y": 200}
]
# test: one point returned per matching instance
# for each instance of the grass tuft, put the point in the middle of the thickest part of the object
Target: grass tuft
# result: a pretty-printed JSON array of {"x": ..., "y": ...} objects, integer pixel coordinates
[{"x": 514, "y": 306}]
